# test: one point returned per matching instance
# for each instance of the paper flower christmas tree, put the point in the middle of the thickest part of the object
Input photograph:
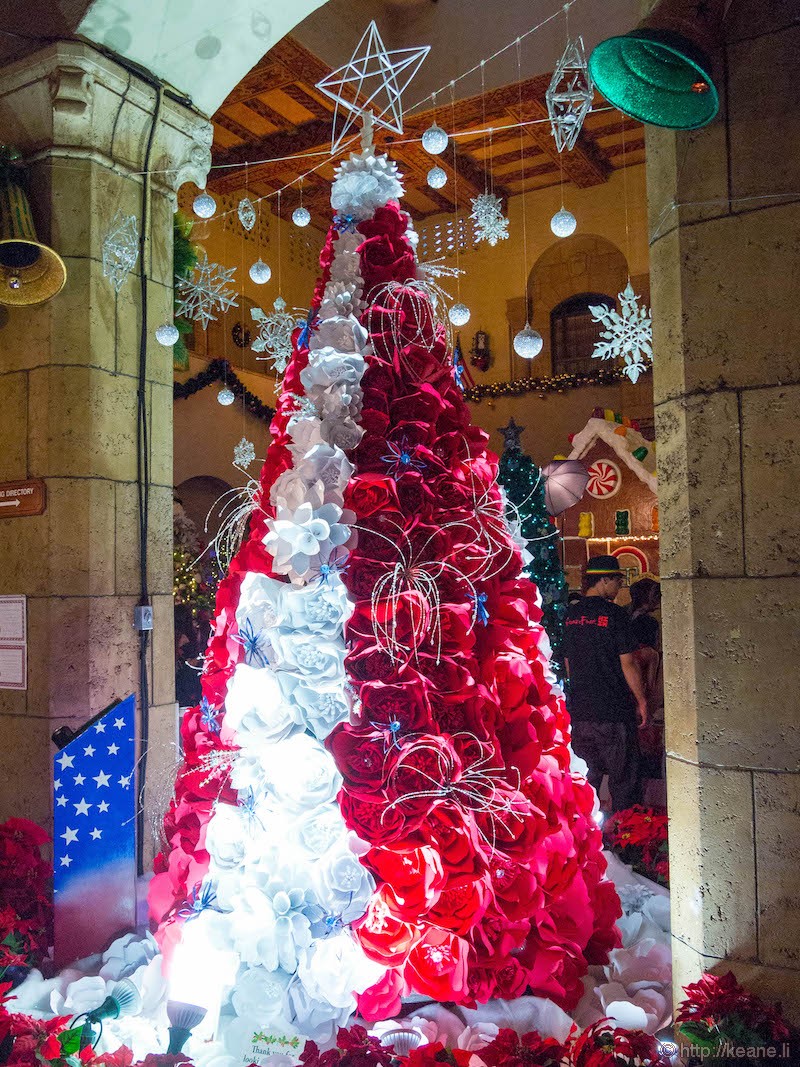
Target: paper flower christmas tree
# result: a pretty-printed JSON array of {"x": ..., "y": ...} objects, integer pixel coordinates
[{"x": 376, "y": 797}]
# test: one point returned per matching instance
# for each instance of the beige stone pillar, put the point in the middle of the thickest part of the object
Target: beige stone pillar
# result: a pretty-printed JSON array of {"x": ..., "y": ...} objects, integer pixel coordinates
[
  {"x": 68, "y": 396},
  {"x": 725, "y": 263}
]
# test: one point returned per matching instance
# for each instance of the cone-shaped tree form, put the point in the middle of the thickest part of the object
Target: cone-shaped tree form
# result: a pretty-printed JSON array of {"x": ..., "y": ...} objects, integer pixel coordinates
[
  {"x": 376, "y": 796},
  {"x": 524, "y": 486}
]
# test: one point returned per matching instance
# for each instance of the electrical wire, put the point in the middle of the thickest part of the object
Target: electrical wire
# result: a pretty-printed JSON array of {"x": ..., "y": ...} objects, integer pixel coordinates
[{"x": 143, "y": 474}]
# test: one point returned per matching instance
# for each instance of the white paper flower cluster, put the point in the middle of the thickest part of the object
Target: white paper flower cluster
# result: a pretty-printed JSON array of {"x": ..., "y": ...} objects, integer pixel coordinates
[{"x": 285, "y": 871}]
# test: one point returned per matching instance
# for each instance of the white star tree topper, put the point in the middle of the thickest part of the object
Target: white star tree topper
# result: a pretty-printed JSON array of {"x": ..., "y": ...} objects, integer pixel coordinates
[
  {"x": 374, "y": 80},
  {"x": 628, "y": 335}
]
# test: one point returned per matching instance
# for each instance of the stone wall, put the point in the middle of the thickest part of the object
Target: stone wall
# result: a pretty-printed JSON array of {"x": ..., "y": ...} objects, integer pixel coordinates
[{"x": 725, "y": 260}]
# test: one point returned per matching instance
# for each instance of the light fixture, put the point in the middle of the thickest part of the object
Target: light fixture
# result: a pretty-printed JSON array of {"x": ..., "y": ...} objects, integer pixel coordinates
[
  {"x": 123, "y": 998},
  {"x": 528, "y": 342},
  {"x": 183, "y": 1018},
  {"x": 204, "y": 205},
  {"x": 167, "y": 334},
  {"x": 660, "y": 72},
  {"x": 563, "y": 223},
  {"x": 434, "y": 139},
  {"x": 402, "y": 1041},
  {"x": 436, "y": 178},
  {"x": 260, "y": 272},
  {"x": 198, "y": 976}
]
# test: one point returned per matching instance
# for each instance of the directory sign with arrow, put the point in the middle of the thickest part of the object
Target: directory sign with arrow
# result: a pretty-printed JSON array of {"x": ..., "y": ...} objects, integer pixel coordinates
[{"x": 22, "y": 498}]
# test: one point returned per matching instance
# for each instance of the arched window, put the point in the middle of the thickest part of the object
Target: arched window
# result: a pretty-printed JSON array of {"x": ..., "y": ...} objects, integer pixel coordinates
[{"x": 573, "y": 332}]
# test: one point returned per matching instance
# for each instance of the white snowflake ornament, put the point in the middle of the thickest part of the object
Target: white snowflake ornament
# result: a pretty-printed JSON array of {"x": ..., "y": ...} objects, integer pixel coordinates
[
  {"x": 243, "y": 454},
  {"x": 490, "y": 223},
  {"x": 570, "y": 95},
  {"x": 205, "y": 295},
  {"x": 628, "y": 334},
  {"x": 275, "y": 334},
  {"x": 120, "y": 249}
]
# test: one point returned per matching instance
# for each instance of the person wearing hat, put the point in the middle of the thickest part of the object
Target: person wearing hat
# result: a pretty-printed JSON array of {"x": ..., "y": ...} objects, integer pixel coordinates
[{"x": 606, "y": 698}]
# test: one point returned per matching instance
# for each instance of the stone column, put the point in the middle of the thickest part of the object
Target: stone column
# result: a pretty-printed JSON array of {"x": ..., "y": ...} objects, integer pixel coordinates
[
  {"x": 725, "y": 263},
  {"x": 68, "y": 396}
]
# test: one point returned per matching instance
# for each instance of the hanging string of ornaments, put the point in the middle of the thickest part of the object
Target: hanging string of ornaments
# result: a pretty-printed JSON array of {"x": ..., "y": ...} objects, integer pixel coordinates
[{"x": 374, "y": 81}]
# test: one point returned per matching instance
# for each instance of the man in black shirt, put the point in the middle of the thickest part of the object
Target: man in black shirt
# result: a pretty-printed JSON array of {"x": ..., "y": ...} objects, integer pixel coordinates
[{"x": 606, "y": 695}]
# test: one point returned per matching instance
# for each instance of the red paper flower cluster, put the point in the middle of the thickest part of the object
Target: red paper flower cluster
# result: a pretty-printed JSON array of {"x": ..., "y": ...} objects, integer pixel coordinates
[
  {"x": 639, "y": 837},
  {"x": 456, "y": 770},
  {"x": 26, "y": 905}
]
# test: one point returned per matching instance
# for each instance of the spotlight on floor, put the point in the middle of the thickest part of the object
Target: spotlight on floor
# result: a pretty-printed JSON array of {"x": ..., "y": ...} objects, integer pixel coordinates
[{"x": 182, "y": 1020}]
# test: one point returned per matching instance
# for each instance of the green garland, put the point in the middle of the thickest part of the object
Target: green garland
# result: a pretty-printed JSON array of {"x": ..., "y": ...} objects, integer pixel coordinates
[
  {"x": 554, "y": 383},
  {"x": 220, "y": 370}
]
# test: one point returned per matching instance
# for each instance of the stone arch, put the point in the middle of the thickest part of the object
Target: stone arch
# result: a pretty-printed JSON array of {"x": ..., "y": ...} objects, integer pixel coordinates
[
  {"x": 198, "y": 496},
  {"x": 583, "y": 263}
]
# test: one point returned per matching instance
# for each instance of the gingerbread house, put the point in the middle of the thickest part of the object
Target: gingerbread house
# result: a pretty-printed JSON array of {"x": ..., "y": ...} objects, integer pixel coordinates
[{"x": 618, "y": 514}]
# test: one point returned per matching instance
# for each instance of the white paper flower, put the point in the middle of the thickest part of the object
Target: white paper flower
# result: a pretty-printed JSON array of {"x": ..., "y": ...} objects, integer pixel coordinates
[
  {"x": 305, "y": 433},
  {"x": 646, "y": 1009},
  {"x": 340, "y": 430},
  {"x": 343, "y": 885},
  {"x": 474, "y": 1038},
  {"x": 309, "y": 654},
  {"x": 301, "y": 774},
  {"x": 328, "y": 367},
  {"x": 343, "y": 333},
  {"x": 261, "y": 602},
  {"x": 301, "y": 538},
  {"x": 359, "y": 190},
  {"x": 227, "y": 836},
  {"x": 261, "y": 993},
  {"x": 255, "y": 705},
  {"x": 335, "y": 968},
  {"x": 81, "y": 995},
  {"x": 127, "y": 954},
  {"x": 317, "y": 1019},
  {"x": 316, "y": 707},
  {"x": 319, "y": 830},
  {"x": 329, "y": 465}
]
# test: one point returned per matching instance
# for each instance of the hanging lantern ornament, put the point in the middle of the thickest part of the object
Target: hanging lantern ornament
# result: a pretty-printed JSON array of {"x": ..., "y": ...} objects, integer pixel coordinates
[
  {"x": 459, "y": 314},
  {"x": 434, "y": 139},
  {"x": 563, "y": 223},
  {"x": 260, "y": 272},
  {"x": 301, "y": 216},
  {"x": 569, "y": 96},
  {"x": 204, "y": 205},
  {"x": 225, "y": 396},
  {"x": 167, "y": 334},
  {"x": 246, "y": 213},
  {"x": 528, "y": 342},
  {"x": 436, "y": 178}
]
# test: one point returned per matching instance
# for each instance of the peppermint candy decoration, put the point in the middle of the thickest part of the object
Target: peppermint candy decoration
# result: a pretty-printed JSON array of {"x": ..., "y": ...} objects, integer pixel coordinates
[{"x": 604, "y": 479}]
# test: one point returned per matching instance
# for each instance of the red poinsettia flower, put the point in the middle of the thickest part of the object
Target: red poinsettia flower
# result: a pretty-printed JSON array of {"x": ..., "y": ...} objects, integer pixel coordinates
[{"x": 531, "y": 1050}]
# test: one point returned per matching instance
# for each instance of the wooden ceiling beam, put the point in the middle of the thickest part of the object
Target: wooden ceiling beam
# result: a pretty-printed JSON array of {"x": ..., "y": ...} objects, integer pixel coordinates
[
  {"x": 584, "y": 166},
  {"x": 287, "y": 62}
]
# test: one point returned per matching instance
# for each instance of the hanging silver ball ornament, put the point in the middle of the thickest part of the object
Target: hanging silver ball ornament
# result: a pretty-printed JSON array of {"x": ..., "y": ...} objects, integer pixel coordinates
[
  {"x": 528, "y": 343},
  {"x": 436, "y": 178},
  {"x": 260, "y": 272},
  {"x": 167, "y": 335},
  {"x": 301, "y": 216},
  {"x": 563, "y": 223},
  {"x": 225, "y": 397},
  {"x": 434, "y": 140},
  {"x": 459, "y": 314},
  {"x": 204, "y": 205}
]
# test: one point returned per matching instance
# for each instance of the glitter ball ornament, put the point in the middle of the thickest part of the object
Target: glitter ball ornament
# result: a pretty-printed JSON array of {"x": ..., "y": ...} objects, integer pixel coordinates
[
  {"x": 436, "y": 178},
  {"x": 528, "y": 343},
  {"x": 459, "y": 314},
  {"x": 260, "y": 272},
  {"x": 301, "y": 216},
  {"x": 434, "y": 140},
  {"x": 167, "y": 335},
  {"x": 204, "y": 205},
  {"x": 563, "y": 223},
  {"x": 225, "y": 397}
]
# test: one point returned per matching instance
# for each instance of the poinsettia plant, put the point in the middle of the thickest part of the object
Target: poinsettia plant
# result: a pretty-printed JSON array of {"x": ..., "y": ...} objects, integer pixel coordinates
[
  {"x": 26, "y": 905},
  {"x": 638, "y": 836},
  {"x": 718, "y": 1012}
]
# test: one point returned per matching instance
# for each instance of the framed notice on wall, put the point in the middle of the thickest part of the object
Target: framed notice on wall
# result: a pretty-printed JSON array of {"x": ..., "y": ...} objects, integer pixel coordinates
[{"x": 13, "y": 643}]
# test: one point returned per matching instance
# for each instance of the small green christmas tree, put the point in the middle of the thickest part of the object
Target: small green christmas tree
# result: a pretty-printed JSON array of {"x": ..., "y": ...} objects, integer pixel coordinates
[{"x": 524, "y": 486}]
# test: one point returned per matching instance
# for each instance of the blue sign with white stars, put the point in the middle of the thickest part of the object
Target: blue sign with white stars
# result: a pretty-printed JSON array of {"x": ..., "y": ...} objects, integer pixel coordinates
[{"x": 94, "y": 849}]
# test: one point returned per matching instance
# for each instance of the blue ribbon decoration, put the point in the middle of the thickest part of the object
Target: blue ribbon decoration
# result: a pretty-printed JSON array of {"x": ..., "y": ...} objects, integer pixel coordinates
[
  {"x": 208, "y": 716},
  {"x": 310, "y": 325},
  {"x": 481, "y": 611},
  {"x": 203, "y": 897},
  {"x": 250, "y": 640},
  {"x": 345, "y": 223}
]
